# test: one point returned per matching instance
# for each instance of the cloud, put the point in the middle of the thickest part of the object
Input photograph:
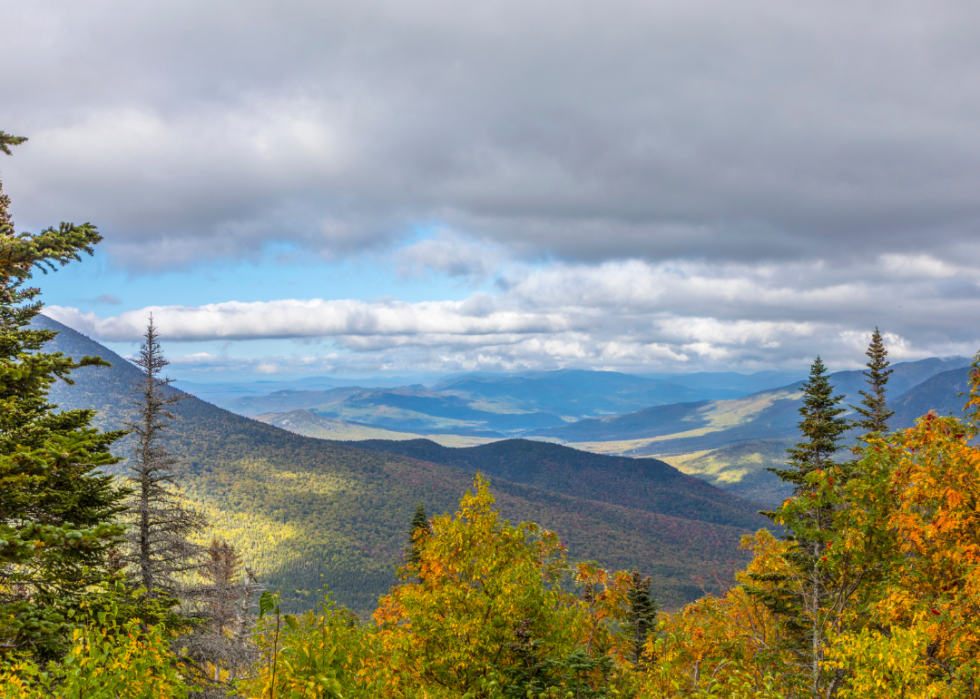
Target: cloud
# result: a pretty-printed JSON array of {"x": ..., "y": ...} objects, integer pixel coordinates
[
  {"x": 633, "y": 315},
  {"x": 706, "y": 130},
  {"x": 451, "y": 254},
  {"x": 109, "y": 299}
]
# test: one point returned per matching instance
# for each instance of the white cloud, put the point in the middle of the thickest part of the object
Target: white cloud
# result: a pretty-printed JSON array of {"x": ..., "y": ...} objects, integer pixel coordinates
[{"x": 632, "y": 315}]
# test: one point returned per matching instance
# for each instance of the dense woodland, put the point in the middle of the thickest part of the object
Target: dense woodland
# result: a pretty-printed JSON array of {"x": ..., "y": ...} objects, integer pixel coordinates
[{"x": 107, "y": 588}]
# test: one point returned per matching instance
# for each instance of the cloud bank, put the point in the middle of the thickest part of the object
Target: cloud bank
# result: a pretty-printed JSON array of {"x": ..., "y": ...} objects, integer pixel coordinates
[
  {"x": 706, "y": 130},
  {"x": 631, "y": 315}
]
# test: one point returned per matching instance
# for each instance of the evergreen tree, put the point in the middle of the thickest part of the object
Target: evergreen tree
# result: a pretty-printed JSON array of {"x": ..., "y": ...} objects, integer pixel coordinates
[
  {"x": 160, "y": 553},
  {"x": 821, "y": 426},
  {"x": 641, "y": 617},
  {"x": 418, "y": 531},
  {"x": 810, "y": 599},
  {"x": 57, "y": 507},
  {"x": 875, "y": 413}
]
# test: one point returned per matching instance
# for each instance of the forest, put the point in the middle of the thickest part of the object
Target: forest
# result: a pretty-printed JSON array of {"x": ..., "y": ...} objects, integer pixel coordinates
[{"x": 111, "y": 587}]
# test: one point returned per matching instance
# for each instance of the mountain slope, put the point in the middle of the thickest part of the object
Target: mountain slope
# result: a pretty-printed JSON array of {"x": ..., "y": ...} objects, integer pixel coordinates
[
  {"x": 310, "y": 424},
  {"x": 940, "y": 393},
  {"x": 731, "y": 443},
  {"x": 772, "y": 414},
  {"x": 306, "y": 511},
  {"x": 645, "y": 484}
]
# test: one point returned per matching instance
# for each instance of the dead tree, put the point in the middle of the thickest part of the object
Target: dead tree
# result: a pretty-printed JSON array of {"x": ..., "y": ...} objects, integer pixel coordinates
[{"x": 161, "y": 556}]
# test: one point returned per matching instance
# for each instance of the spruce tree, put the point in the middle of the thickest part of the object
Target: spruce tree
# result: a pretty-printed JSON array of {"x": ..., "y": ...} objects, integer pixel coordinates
[
  {"x": 821, "y": 426},
  {"x": 809, "y": 599},
  {"x": 161, "y": 554},
  {"x": 57, "y": 508},
  {"x": 418, "y": 530},
  {"x": 875, "y": 413},
  {"x": 641, "y": 617}
]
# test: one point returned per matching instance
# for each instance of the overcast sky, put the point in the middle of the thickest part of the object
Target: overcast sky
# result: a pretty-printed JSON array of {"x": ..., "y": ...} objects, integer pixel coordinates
[{"x": 359, "y": 186}]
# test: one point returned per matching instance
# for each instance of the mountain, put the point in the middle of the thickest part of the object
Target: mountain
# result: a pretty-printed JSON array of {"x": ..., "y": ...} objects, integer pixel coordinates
[
  {"x": 940, "y": 393},
  {"x": 496, "y": 405},
  {"x": 310, "y": 424},
  {"x": 711, "y": 424},
  {"x": 731, "y": 443},
  {"x": 305, "y": 511},
  {"x": 743, "y": 384},
  {"x": 645, "y": 484}
]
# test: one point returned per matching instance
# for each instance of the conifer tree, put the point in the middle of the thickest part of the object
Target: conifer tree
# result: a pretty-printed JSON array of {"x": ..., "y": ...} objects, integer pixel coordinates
[
  {"x": 418, "y": 530},
  {"x": 641, "y": 616},
  {"x": 220, "y": 646},
  {"x": 809, "y": 599},
  {"x": 821, "y": 426},
  {"x": 875, "y": 413},
  {"x": 160, "y": 553},
  {"x": 57, "y": 508}
]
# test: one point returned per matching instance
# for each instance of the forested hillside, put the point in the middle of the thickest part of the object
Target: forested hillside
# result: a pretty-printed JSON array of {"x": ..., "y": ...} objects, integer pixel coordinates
[
  {"x": 731, "y": 443},
  {"x": 645, "y": 484},
  {"x": 307, "y": 511}
]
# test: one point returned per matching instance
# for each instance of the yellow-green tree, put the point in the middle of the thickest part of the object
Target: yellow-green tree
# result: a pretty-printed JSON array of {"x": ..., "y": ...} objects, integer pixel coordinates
[{"x": 486, "y": 613}]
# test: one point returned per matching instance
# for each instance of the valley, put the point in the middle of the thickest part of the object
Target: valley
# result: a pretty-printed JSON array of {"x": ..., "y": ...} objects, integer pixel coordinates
[
  {"x": 307, "y": 512},
  {"x": 729, "y": 441}
]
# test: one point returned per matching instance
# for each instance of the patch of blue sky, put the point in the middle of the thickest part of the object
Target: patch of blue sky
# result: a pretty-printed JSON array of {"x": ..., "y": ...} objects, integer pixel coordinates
[{"x": 95, "y": 284}]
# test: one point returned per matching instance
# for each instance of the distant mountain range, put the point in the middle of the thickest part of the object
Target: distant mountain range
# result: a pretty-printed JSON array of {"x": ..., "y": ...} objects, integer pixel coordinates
[
  {"x": 729, "y": 442},
  {"x": 306, "y": 511},
  {"x": 496, "y": 406}
]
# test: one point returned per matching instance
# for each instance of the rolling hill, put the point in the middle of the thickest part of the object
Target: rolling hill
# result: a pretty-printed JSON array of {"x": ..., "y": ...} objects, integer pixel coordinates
[
  {"x": 310, "y": 424},
  {"x": 494, "y": 405},
  {"x": 305, "y": 511},
  {"x": 731, "y": 443}
]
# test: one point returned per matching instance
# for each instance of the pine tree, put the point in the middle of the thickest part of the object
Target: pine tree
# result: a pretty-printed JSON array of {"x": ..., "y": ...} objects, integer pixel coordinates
[
  {"x": 875, "y": 413},
  {"x": 810, "y": 599},
  {"x": 160, "y": 553},
  {"x": 418, "y": 531},
  {"x": 821, "y": 426},
  {"x": 641, "y": 617},
  {"x": 57, "y": 507}
]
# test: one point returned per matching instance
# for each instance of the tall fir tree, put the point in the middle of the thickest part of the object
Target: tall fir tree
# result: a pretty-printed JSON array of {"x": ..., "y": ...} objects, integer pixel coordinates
[
  {"x": 161, "y": 554},
  {"x": 57, "y": 508},
  {"x": 810, "y": 599},
  {"x": 874, "y": 410},
  {"x": 641, "y": 616},
  {"x": 822, "y": 427},
  {"x": 418, "y": 530}
]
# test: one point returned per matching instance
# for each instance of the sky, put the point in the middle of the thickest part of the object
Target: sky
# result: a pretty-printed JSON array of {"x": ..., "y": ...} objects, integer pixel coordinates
[{"x": 362, "y": 188}]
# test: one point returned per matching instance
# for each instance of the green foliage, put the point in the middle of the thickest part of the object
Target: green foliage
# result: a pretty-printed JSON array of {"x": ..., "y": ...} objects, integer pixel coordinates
[
  {"x": 110, "y": 655},
  {"x": 57, "y": 509},
  {"x": 317, "y": 655},
  {"x": 419, "y": 530},
  {"x": 874, "y": 410},
  {"x": 641, "y": 616},
  {"x": 821, "y": 426}
]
